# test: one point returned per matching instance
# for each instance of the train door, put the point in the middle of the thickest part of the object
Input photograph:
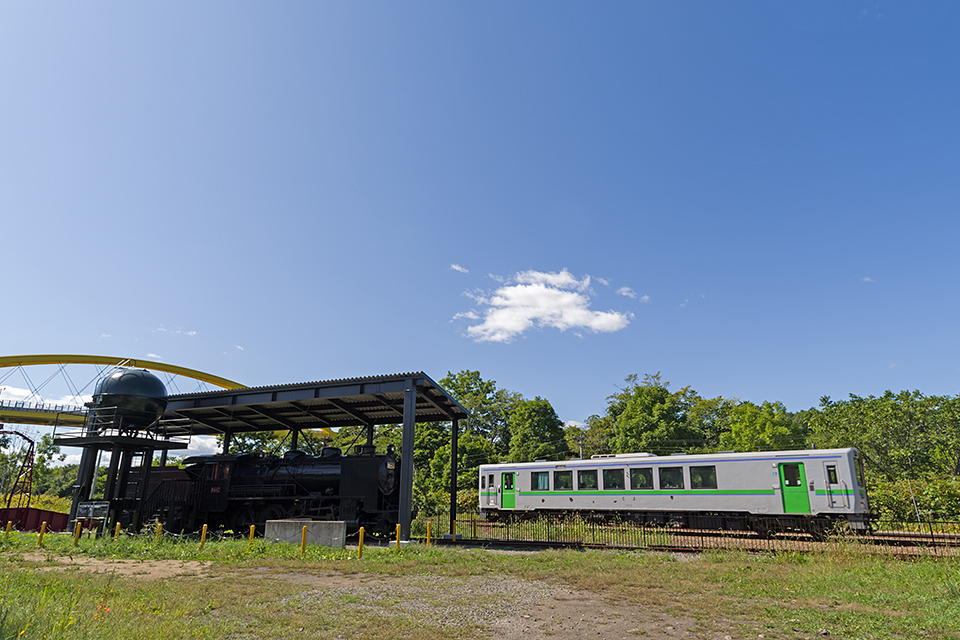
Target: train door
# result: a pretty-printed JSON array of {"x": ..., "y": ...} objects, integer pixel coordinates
[
  {"x": 835, "y": 494},
  {"x": 793, "y": 487},
  {"x": 509, "y": 498}
]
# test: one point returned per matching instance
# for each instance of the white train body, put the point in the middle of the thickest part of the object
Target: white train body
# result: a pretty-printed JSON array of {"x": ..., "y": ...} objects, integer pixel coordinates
[{"x": 806, "y": 490}]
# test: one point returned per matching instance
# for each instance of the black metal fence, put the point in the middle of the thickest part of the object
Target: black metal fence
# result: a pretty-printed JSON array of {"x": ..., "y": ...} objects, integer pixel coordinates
[{"x": 884, "y": 536}]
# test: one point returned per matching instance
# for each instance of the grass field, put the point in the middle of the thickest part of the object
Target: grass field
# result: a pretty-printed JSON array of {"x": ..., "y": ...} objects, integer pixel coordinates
[{"x": 139, "y": 588}]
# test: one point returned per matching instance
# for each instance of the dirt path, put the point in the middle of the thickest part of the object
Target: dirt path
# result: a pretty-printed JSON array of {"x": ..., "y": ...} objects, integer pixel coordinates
[{"x": 509, "y": 608}]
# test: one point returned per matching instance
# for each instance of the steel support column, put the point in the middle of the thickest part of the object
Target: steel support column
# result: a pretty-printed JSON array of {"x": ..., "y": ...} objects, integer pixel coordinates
[
  {"x": 406, "y": 466},
  {"x": 454, "y": 436}
]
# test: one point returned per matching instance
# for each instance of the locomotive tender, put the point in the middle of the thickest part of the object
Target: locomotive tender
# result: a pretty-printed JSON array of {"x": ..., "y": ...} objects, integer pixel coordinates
[
  {"x": 236, "y": 491},
  {"x": 807, "y": 490}
]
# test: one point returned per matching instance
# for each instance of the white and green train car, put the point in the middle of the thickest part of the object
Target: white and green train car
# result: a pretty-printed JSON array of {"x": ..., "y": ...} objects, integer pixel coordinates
[{"x": 810, "y": 490}]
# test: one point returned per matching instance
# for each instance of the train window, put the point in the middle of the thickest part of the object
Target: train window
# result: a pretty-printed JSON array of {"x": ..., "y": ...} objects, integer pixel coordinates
[
  {"x": 539, "y": 481},
  {"x": 832, "y": 474},
  {"x": 562, "y": 480},
  {"x": 490, "y": 481},
  {"x": 216, "y": 471},
  {"x": 791, "y": 475},
  {"x": 671, "y": 477},
  {"x": 612, "y": 479},
  {"x": 508, "y": 482},
  {"x": 703, "y": 477},
  {"x": 587, "y": 479},
  {"x": 641, "y": 479},
  {"x": 483, "y": 482}
]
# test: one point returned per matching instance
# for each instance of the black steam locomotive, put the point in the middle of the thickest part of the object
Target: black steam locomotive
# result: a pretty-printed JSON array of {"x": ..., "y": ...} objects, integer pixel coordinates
[{"x": 234, "y": 492}]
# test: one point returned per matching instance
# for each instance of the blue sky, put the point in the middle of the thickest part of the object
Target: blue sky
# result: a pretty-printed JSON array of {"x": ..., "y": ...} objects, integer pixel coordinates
[{"x": 757, "y": 199}]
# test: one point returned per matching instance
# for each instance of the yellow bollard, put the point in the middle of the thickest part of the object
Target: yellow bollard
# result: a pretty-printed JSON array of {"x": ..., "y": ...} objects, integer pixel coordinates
[
  {"x": 428, "y": 533},
  {"x": 253, "y": 528},
  {"x": 303, "y": 541},
  {"x": 116, "y": 532},
  {"x": 6, "y": 535},
  {"x": 159, "y": 531},
  {"x": 398, "y": 536},
  {"x": 43, "y": 529},
  {"x": 76, "y": 533},
  {"x": 360, "y": 546},
  {"x": 203, "y": 537}
]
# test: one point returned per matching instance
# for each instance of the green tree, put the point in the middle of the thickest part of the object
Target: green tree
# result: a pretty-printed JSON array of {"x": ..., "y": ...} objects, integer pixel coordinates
[
  {"x": 646, "y": 416},
  {"x": 489, "y": 406},
  {"x": 762, "y": 428},
  {"x": 537, "y": 432},
  {"x": 903, "y": 435},
  {"x": 710, "y": 418},
  {"x": 472, "y": 451}
]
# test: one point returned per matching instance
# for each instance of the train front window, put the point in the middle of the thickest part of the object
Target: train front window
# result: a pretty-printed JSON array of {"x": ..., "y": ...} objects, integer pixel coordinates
[
  {"x": 539, "y": 481},
  {"x": 703, "y": 477},
  {"x": 587, "y": 480},
  {"x": 562, "y": 480},
  {"x": 671, "y": 477},
  {"x": 641, "y": 479},
  {"x": 612, "y": 479}
]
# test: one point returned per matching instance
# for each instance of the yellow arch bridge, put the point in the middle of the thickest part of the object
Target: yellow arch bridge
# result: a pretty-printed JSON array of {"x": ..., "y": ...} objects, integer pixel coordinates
[{"x": 69, "y": 415}]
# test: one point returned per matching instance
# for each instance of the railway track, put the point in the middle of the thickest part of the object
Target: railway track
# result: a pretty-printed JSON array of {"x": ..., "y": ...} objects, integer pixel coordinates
[{"x": 896, "y": 543}]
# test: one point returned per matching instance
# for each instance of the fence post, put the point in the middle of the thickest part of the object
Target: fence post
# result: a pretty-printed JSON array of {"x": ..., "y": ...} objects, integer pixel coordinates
[
  {"x": 43, "y": 529},
  {"x": 203, "y": 537},
  {"x": 76, "y": 533},
  {"x": 360, "y": 545},
  {"x": 6, "y": 535},
  {"x": 159, "y": 531},
  {"x": 253, "y": 528},
  {"x": 303, "y": 541},
  {"x": 398, "y": 536}
]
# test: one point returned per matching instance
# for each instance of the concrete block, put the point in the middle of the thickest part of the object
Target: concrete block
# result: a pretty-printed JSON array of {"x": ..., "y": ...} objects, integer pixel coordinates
[{"x": 324, "y": 533}]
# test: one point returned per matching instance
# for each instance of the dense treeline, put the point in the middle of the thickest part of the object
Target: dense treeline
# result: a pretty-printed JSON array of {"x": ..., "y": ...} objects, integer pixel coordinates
[{"x": 910, "y": 443}]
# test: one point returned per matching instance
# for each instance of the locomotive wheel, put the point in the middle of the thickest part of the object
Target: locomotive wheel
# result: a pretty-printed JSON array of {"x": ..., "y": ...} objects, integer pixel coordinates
[
  {"x": 241, "y": 520},
  {"x": 270, "y": 512}
]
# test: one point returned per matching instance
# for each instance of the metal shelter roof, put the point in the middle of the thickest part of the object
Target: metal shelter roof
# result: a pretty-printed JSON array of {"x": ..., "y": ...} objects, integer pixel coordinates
[{"x": 312, "y": 405}]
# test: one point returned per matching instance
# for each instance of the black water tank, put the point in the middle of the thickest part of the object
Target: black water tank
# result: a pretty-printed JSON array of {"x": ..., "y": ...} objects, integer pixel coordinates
[{"x": 135, "y": 397}]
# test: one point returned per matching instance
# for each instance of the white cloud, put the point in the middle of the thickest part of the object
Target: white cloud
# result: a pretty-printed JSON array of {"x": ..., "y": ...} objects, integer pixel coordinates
[
  {"x": 105, "y": 335},
  {"x": 239, "y": 347},
  {"x": 644, "y": 298},
  {"x": 626, "y": 291},
  {"x": 457, "y": 267},
  {"x": 154, "y": 356},
  {"x": 539, "y": 299},
  {"x": 177, "y": 332},
  {"x": 868, "y": 279}
]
